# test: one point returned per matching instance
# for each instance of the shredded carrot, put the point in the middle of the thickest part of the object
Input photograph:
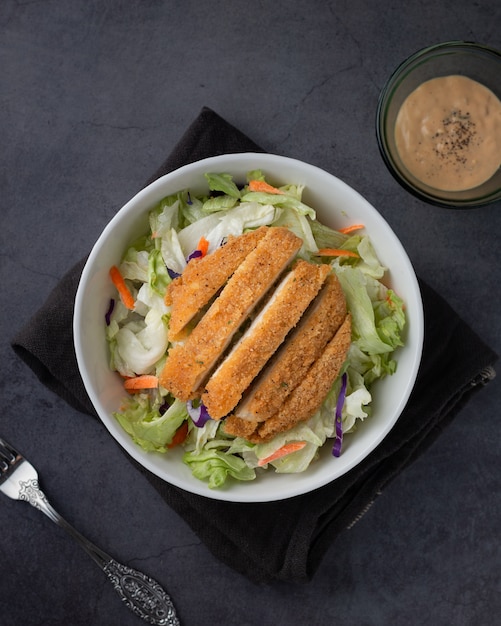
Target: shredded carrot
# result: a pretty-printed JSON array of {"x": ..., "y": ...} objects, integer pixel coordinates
[
  {"x": 123, "y": 290},
  {"x": 179, "y": 436},
  {"x": 350, "y": 229},
  {"x": 336, "y": 252},
  {"x": 145, "y": 381},
  {"x": 288, "y": 448},
  {"x": 203, "y": 246},
  {"x": 260, "y": 185}
]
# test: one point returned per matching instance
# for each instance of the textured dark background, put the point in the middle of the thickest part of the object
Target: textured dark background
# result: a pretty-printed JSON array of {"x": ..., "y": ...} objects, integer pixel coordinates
[{"x": 94, "y": 94}]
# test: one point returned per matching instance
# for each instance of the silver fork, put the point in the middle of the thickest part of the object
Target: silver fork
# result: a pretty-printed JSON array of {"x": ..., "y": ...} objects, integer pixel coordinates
[{"x": 140, "y": 593}]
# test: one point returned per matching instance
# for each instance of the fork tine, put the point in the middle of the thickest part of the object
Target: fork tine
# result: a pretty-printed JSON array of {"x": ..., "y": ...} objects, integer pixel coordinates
[
  {"x": 7, "y": 451},
  {"x": 4, "y": 465},
  {"x": 9, "y": 456}
]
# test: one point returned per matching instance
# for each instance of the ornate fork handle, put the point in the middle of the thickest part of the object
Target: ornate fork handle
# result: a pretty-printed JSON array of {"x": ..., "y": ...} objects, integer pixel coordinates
[{"x": 140, "y": 593}]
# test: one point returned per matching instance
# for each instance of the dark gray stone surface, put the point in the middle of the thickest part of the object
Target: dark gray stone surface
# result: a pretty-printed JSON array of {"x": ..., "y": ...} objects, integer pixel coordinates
[{"x": 93, "y": 97}]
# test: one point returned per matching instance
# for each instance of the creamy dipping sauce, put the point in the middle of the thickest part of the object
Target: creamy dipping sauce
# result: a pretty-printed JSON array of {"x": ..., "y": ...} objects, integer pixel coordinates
[{"x": 448, "y": 133}]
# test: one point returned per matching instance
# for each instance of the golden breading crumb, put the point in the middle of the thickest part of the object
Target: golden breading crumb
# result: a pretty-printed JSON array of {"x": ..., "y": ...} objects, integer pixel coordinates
[{"x": 237, "y": 427}]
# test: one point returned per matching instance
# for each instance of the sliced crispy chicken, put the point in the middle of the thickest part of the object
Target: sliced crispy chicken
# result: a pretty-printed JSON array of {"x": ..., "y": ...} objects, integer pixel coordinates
[
  {"x": 306, "y": 398},
  {"x": 189, "y": 364},
  {"x": 266, "y": 333},
  {"x": 291, "y": 362},
  {"x": 203, "y": 278}
]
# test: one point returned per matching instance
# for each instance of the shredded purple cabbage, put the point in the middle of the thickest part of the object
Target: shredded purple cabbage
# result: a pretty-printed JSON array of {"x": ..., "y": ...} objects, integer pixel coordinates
[
  {"x": 336, "y": 448},
  {"x": 172, "y": 273},
  {"x": 107, "y": 317},
  {"x": 199, "y": 414},
  {"x": 189, "y": 201},
  {"x": 196, "y": 254}
]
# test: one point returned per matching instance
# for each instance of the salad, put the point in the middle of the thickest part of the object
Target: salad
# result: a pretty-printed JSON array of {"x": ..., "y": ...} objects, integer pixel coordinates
[{"x": 184, "y": 226}]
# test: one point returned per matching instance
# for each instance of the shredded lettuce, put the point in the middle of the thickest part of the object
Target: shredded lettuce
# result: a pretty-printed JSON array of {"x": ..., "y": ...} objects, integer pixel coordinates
[
  {"x": 365, "y": 326},
  {"x": 213, "y": 456},
  {"x": 326, "y": 237},
  {"x": 219, "y": 203},
  {"x": 224, "y": 183},
  {"x": 216, "y": 227},
  {"x": 141, "y": 345},
  {"x": 285, "y": 201},
  {"x": 135, "y": 265},
  {"x": 158, "y": 277},
  {"x": 165, "y": 216},
  {"x": 149, "y": 428},
  {"x": 215, "y": 466},
  {"x": 300, "y": 226}
]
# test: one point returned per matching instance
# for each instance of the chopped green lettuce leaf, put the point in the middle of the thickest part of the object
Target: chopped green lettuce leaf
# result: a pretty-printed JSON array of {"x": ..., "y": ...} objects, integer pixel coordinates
[
  {"x": 135, "y": 265},
  {"x": 364, "y": 329},
  {"x": 141, "y": 345},
  {"x": 300, "y": 226},
  {"x": 285, "y": 201},
  {"x": 148, "y": 428},
  {"x": 165, "y": 216},
  {"x": 214, "y": 466},
  {"x": 224, "y": 183},
  {"x": 219, "y": 203},
  {"x": 326, "y": 237},
  {"x": 158, "y": 277}
]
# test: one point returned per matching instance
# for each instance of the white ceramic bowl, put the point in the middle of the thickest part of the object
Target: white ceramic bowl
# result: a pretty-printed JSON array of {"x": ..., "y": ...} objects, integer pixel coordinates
[{"x": 337, "y": 205}]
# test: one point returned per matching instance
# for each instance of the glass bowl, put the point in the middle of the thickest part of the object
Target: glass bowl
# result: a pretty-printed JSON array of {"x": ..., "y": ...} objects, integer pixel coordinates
[{"x": 478, "y": 62}]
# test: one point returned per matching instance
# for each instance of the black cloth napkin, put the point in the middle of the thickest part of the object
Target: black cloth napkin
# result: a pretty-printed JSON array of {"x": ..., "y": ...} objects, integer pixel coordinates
[{"x": 283, "y": 540}]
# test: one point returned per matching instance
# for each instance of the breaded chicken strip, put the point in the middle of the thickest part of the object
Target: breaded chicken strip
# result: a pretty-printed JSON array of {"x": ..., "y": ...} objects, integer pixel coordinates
[
  {"x": 291, "y": 362},
  {"x": 189, "y": 364},
  {"x": 307, "y": 397},
  {"x": 202, "y": 279},
  {"x": 281, "y": 313}
]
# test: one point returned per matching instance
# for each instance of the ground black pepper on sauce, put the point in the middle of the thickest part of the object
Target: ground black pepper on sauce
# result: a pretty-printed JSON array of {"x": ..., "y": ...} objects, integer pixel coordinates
[{"x": 448, "y": 133}]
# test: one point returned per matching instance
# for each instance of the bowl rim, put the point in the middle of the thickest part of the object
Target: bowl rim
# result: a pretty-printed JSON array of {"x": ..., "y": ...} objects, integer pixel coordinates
[
  {"x": 265, "y": 159},
  {"x": 384, "y": 99}
]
